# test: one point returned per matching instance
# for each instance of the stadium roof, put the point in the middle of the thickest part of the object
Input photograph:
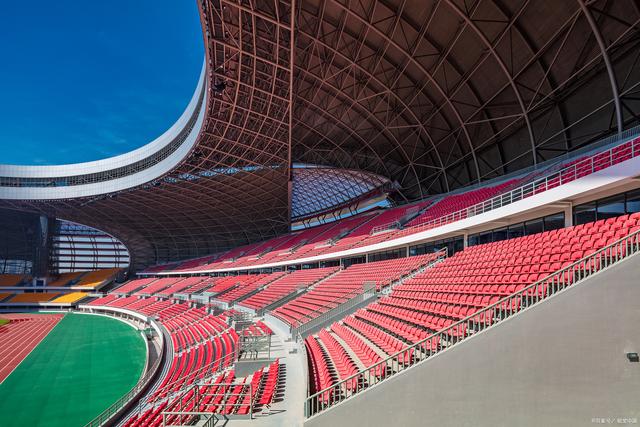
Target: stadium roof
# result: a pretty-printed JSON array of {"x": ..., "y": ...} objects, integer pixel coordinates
[{"x": 428, "y": 96}]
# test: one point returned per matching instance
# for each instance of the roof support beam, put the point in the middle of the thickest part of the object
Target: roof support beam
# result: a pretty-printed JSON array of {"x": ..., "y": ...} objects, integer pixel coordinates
[{"x": 607, "y": 62}]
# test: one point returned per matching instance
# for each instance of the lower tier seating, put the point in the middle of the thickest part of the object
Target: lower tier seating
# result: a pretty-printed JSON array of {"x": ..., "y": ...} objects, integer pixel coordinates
[
  {"x": 454, "y": 289},
  {"x": 222, "y": 394}
]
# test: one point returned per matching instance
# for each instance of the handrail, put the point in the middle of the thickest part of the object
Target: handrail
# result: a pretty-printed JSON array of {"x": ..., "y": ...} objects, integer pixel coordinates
[
  {"x": 463, "y": 329},
  {"x": 384, "y": 227},
  {"x": 196, "y": 398},
  {"x": 352, "y": 296},
  {"x": 365, "y": 295},
  {"x": 308, "y": 317},
  {"x": 562, "y": 176}
]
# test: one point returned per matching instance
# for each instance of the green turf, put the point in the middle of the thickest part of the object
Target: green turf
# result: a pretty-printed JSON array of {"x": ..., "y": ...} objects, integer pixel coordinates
[
  {"x": 81, "y": 367},
  {"x": 3, "y": 321}
]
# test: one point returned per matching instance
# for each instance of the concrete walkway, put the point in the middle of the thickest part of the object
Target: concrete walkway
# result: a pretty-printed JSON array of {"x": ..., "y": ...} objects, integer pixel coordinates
[{"x": 287, "y": 409}]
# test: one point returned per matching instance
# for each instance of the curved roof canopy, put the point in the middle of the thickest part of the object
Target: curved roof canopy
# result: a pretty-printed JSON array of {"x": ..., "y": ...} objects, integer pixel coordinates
[{"x": 429, "y": 96}]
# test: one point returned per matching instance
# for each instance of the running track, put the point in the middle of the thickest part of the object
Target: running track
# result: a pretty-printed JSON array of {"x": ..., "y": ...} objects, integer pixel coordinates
[{"x": 20, "y": 336}]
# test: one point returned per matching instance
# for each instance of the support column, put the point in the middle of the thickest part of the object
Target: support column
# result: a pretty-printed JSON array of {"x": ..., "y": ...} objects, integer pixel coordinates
[
  {"x": 42, "y": 246},
  {"x": 568, "y": 215}
]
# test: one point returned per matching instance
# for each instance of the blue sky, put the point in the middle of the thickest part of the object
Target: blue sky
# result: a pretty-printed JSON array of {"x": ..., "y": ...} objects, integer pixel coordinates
[{"x": 85, "y": 80}]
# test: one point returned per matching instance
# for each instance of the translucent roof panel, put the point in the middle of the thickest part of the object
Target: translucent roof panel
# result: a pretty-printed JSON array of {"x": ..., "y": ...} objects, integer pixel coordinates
[{"x": 319, "y": 189}]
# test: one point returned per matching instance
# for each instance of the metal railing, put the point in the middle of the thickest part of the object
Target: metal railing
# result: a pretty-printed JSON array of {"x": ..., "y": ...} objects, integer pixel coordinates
[
  {"x": 393, "y": 225},
  {"x": 178, "y": 385},
  {"x": 367, "y": 293},
  {"x": 280, "y": 301},
  {"x": 348, "y": 301},
  {"x": 595, "y": 162},
  {"x": 461, "y": 330},
  {"x": 193, "y": 398}
]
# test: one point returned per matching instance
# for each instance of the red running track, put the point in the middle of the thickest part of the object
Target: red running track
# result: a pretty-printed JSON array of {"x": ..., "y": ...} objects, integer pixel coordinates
[{"x": 20, "y": 336}]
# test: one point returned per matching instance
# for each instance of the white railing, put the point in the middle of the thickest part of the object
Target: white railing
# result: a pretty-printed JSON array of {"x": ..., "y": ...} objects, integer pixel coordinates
[
  {"x": 460, "y": 331},
  {"x": 593, "y": 163},
  {"x": 393, "y": 225}
]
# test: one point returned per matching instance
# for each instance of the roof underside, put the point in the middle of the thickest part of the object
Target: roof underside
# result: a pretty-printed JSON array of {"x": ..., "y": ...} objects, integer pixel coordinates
[
  {"x": 429, "y": 95},
  {"x": 440, "y": 94}
]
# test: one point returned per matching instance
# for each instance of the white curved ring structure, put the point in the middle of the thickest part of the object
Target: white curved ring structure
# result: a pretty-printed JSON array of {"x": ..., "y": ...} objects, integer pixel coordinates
[{"x": 113, "y": 174}]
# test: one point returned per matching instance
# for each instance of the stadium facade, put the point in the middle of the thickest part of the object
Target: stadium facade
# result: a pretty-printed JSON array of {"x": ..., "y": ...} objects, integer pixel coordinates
[{"x": 430, "y": 209}]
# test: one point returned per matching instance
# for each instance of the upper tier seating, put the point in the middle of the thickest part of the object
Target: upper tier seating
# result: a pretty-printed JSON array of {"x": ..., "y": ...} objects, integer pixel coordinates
[
  {"x": 300, "y": 238},
  {"x": 194, "y": 264},
  {"x": 347, "y": 284},
  {"x": 368, "y": 228},
  {"x": 63, "y": 279},
  {"x": 94, "y": 279},
  {"x": 286, "y": 285},
  {"x": 323, "y": 242},
  {"x": 33, "y": 297},
  {"x": 12, "y": 279},
  {"x": 457, "y": 202},
  {"x": 370, "y": 232},
  {"x": 71, "y": 297}
]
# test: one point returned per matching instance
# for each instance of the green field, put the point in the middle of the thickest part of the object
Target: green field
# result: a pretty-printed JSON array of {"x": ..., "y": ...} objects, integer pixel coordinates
[
  {"x": 83, "y": 365},
  {"x": 3, "y": 321}
]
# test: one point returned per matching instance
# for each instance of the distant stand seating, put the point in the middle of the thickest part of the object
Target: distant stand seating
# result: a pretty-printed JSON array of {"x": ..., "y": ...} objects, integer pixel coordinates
[
  {"x": 377, "y": 226},
  {"x": 286, "y": 285},
  {"x": 13, "y": 279},
  {"x": 346, "y": 285},
  {"x": 133, "y": 285},
  {"x": 249, "y": 285},
  {"x": 454, "y": 203}
]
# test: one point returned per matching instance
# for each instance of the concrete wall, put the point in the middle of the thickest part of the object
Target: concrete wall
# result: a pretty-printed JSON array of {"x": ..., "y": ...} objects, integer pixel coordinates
[{"x": 561, "y": 363}]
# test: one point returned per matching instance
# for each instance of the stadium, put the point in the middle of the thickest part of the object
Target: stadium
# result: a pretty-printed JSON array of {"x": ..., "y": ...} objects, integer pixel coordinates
[{"x": 374, "y": 212}]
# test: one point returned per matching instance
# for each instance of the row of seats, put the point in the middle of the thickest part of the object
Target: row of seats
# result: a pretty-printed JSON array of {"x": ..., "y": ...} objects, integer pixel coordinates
[
  {"x": 347, "y": 284},
  {"x": 13, "y": 279},
  {"x": 226, "y": 395},
  {"x": 133, "y": 285},
  {"x": 454, "y": 289},
  {"x": 248, "y": 284},
  {"x": 285, "y": 286},
  {"x": 182, "y": 285},
  {"x": 95, "y": 279},
  {"x": 360, "y": 230},
  {"x": 32, "y": 297},
  {"x": 70, "y": 298},
  {"x": 159, "y": 285}
]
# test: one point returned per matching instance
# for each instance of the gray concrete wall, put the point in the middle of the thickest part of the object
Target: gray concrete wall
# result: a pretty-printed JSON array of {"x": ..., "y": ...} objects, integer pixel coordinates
[{"x": 561, "y": 363}]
